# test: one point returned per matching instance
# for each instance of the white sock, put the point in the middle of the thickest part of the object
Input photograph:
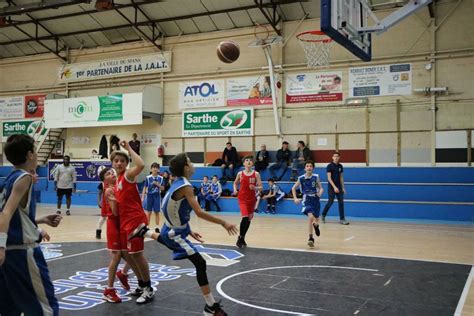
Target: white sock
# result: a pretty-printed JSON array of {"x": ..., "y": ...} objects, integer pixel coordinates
[
  {"x": 148, "y": 234},
  {"x": 209, "y": 299},
  {"x": 101, "y": 222}
]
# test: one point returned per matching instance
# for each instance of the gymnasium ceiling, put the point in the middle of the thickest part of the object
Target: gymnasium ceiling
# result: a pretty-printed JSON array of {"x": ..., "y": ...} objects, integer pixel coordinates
[{"x": 29, "y": 27}]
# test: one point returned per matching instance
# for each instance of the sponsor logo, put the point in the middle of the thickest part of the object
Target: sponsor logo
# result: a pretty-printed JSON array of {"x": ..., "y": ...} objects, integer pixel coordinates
[
  {"x": 204, "y": 90},
  {"x": 234, "y": 119},
  {"x": 80, "y": 109}
]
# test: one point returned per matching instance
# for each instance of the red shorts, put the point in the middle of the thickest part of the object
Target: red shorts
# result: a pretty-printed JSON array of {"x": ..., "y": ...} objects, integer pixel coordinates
[
  {"x": 114, "y": 239},
  {"x": 136, "y": 244},
  {"x": 247, "y": 208}
]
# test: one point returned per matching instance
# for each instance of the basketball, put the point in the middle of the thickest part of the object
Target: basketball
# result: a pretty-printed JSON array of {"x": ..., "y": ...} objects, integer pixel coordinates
[{"x": 228, "y": 51}]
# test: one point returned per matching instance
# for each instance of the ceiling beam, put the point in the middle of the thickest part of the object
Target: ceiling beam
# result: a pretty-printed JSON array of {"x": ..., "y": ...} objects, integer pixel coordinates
[
  {"x": 132, "y": 24},
  {"x": 32, "y": 38},
  {"x": 38, "y": 6},
  {"x": 155, "y": 25},
  {"x": 150, "y": 22},
  {"x": 55, "y": 52},
  {"x": 79, "y": 13},
  {"x": 272, "y": 20}
]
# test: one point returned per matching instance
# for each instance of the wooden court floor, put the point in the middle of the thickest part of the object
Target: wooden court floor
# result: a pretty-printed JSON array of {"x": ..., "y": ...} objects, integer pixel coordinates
[{"x": 427, "y": 242}]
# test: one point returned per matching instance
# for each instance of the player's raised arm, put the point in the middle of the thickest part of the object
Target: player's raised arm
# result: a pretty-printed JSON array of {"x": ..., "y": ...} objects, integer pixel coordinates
[{"x": 134, "y": 171}]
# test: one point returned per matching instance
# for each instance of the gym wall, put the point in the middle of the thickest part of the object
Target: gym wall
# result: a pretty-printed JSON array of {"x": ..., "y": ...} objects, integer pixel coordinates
[{"x": 392, "y": 130}]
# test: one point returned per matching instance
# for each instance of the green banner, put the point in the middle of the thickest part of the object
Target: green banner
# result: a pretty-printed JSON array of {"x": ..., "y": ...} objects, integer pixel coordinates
[
  {"x": 237, "y": 122},
  {"x": 23, "y": 127},
  {"x": 111, "y": 108}
]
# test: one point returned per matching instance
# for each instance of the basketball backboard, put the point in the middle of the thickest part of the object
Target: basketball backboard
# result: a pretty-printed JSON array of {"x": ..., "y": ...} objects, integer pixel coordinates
[
  {"x": 346, "y": 21},
  {"x": 341, "y": 19}
]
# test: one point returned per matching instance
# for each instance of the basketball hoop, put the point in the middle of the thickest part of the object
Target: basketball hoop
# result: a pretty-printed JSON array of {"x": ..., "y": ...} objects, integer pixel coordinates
[{"x": 316, "y": 46}]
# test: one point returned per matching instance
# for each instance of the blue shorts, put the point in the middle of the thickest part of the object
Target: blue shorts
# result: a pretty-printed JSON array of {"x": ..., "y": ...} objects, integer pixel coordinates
[
  {"x": 176, "y": 240},
  {"x": 25, "y": 286},
  {"x": 311, "y": 205},
  {"x": 153, "y": 203}
]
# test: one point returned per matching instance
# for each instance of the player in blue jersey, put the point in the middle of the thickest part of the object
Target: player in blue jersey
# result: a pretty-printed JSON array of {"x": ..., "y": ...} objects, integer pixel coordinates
[
  {"x": 204, "y": 192},
  {"x": 312, "y": 190},
  {"x": 151, "y": 193},
  {"x": 178, "y": 204},
  {"x": 215, "y": 194},
  {"x": 25, "y": 286}
]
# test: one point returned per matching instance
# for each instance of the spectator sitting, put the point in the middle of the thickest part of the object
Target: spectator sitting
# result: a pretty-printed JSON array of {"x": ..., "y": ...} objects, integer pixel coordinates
[
  {"x": 283, "y": 159},
  {"x": 262, "y": 159},
  {"x": 274, "y": 195},
  {"x": 230, "y": 161},
  {"x": 302, "y": 154}
]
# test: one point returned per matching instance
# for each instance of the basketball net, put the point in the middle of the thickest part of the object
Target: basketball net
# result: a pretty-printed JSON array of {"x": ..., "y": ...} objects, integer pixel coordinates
[{"x": 316, "y": 46}]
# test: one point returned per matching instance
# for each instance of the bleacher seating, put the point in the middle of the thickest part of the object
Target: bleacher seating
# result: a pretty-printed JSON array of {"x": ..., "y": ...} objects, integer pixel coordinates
[{"x": 438, "y": 193}]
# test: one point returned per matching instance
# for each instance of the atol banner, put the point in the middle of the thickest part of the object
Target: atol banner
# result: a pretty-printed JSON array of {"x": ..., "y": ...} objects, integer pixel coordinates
[
  {"x": 218, "y": 123},
  {"x": 116, "y": 67},
  {"x": 201, "y": 94},
  {"x": 34, "y": 128},
  {"x": 381, "y": 80},
  {"x": 314, "y": 87},
  {"x": 86, "y": 170},
  {"x": 249, "y": 91},
  {"x": 110, "y": 110},
  {"x": 34, "y": 105},
  {"x": 11, "y": 108}
]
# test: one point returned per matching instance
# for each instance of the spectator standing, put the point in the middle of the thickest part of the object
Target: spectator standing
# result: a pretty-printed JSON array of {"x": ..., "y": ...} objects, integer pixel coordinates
[
  {"x": 283, "y": 159},
  {"x": 135, "y": 144},
  {"x": 65, "y": 183},
  {"x": 335, "y": 188}
]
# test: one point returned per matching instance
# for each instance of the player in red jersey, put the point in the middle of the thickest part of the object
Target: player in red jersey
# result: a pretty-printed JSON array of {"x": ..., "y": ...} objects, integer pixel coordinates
[
  {"x": 109, "y": 210},
  {"x": 249, "y": 183},
  {"x": 131, "y": 215}
]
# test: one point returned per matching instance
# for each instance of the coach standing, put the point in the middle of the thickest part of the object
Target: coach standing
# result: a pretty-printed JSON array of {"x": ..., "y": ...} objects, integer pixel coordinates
[
  {"x": 335, "y": 187},
  {"x": 65, "y": 183}
]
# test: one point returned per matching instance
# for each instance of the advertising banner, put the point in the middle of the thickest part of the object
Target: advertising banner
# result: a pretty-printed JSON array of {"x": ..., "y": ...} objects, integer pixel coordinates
[
  {"x": 381, "y": 80},
  {"x": 24, "y": 127},
  {"x": 116, "y": 67},
  {"x": 201, "y": 94},
  {"x": 86, "y": 170},
  {"x": 218, "y": 123},
  {"x": 249, "y": 91},
  {"x": 314, "y": 87},
  {"x": 34, "y": 105},
  {"x": 11, "y": 108},
  {"x": 110, "y": 110},
  {"x": 94, "y": 109}
]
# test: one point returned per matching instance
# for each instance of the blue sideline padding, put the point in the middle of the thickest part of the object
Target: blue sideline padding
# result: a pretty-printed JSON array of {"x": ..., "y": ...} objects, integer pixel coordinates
[{"x": 433, "y": 193}]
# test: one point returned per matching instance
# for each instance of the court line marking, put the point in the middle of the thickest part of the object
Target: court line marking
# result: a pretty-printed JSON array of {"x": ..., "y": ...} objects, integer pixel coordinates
[
  {"x": 223, "y": 294},
  {"x": 347, "y": 254},
  {"x": 76, "y": 254},
  {"x": 465, "y": 291},
  {"x": 80, "y": 253}
]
